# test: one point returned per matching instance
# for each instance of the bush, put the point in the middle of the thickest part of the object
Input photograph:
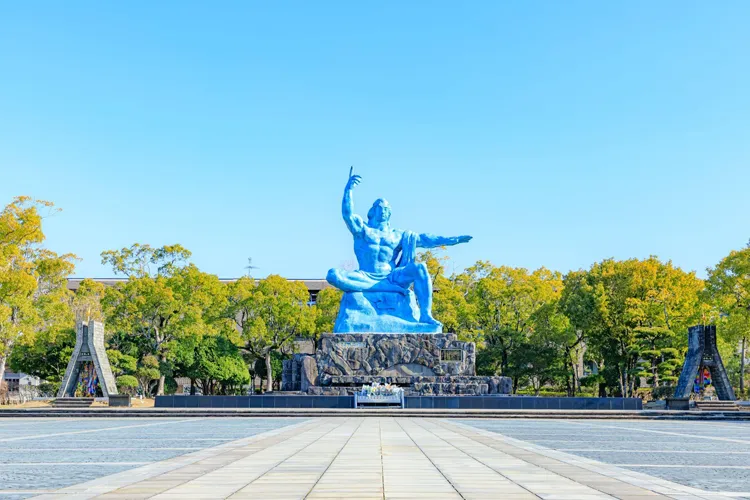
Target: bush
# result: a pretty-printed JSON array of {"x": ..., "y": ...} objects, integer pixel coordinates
[
  {"x": 644, "y": 393},
  {"x": 170, "y": 386},
  {"x": 649, "y": 394},
  {"x": 147, "y": 373},
  {"x": 127, "y": 384},
  {"x": 49, "y": 389},
  {"x": 544, "y": 392},
  {"x": 663, "y": 392},
  {"x": 591, "y": 380}
]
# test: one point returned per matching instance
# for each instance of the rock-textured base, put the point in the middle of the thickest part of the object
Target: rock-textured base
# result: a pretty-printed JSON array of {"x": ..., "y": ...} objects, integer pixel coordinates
[
  {"x": 424, "y": 386},
  {"x": 393, "y": 354},
  {"x": 426, "y": 364},
  {"x": 364, "y": 312}
]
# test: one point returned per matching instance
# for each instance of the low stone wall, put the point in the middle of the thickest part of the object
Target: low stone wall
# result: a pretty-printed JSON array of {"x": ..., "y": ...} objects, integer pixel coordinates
[
  {"x": 119, "y": 400},
  {"x": 522, "y": 403},
  {"x": 411, "y": 402},
  {"x": 270, "y": 401}
]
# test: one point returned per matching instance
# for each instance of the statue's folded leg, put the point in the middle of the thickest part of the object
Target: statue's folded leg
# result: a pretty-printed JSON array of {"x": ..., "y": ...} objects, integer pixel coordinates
[
  {"x": 387, "y": 286},
  {"x": 357, "y": 281},
  {"x": 417, "y": 273}
]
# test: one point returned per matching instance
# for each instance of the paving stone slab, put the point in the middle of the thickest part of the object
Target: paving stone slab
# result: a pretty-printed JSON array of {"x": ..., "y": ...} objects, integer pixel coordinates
[{"x": 382, "y": 457}]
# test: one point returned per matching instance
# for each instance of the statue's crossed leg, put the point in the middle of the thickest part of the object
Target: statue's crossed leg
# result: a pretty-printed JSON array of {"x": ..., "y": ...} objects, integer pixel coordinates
[{"x": 397, "y": 281}]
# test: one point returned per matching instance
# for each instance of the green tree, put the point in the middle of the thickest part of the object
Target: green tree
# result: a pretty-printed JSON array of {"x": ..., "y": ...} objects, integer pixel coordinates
[
  {"x": 548, "y": 353},
  {"x": 507, "y": 301},
  {"x": 450, "y": 305},
  {"x": 121, "y": 364},
  {"x": 127, "y": 384},
  {"x": 578, "y": 305},
  {"x": 33, "y": 292},
  {"x": 270, "y": 315},
  {"x": 214, "y": 362},
  {"x": 124, "y": 368},
  {"x": 658, "y": 355},
  {"x": 86, "y": 302},
  {"x": 45, "y": 355},
  {"x": 325, "y": 311},
  {"x": 143, "y": 260},
  {"x": 147, "y": 372},
  {"x": 178, "y": 301},
  {"x": 277, "y": 366},
  {"x": 625, "y": 309},
  {"x": 728, "y": 291}
]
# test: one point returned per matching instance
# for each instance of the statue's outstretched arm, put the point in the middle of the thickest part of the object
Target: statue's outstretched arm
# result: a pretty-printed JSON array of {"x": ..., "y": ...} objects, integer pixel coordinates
[
  {"x": 353, "y": 221},
  {"x": 427, "y": 240}
]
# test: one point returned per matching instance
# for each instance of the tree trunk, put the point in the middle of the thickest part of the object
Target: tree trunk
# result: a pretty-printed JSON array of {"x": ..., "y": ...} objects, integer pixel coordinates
[
  {"x": 162, "y": 377},
  {"x": 573, "y": 381},
  {"x": 631, "y": 384},
  {"x": 269, "y": 373},
  {"x": 2, "y": 367},
  {"x": 623, "y": 383},
  {"x": 192, "y": 387},
  {"x": 742, "y": 368},
  {"x": 574, "y": 378}
]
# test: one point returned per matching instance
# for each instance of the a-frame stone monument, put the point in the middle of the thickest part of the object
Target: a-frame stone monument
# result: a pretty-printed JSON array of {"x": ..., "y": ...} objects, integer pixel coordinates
[
  {"x": 88, "y": 370},
  {"x": 703, "y": 356}
]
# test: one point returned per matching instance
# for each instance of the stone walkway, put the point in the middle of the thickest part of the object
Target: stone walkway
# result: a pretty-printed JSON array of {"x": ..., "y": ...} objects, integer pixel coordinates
[{"x": 379, "y": 458}]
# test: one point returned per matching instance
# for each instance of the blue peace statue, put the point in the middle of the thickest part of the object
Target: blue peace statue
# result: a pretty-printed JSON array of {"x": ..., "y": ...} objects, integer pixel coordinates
[{"x": 378, "y": 296}]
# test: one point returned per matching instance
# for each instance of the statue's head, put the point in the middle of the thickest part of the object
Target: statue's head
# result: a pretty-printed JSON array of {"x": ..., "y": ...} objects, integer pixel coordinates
[{"x": 379, "y": 212}]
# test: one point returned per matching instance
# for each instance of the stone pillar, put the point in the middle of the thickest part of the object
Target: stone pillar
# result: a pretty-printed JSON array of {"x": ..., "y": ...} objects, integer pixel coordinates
[
  {"x": 89, "y": 348},
  {"x": 703, "y": 353}
]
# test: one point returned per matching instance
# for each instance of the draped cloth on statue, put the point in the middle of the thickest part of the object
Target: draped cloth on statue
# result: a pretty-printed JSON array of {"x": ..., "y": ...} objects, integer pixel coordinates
[{"x": 408, "y": 249}]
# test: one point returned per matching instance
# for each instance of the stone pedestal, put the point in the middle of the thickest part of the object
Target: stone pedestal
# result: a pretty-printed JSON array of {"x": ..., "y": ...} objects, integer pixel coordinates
[{"x": 423, "y": 364}]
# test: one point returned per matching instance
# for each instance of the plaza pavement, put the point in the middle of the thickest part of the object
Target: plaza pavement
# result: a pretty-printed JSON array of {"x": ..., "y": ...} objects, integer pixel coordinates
[{"x": 372, "y": 457}]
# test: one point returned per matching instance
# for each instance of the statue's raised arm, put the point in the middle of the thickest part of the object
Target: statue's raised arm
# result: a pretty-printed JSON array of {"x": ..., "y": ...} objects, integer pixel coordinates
[{"x": 353, "y": 221}]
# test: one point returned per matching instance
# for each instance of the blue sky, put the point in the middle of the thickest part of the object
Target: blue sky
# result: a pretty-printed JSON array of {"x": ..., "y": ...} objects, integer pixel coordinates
[{"x": 556, "y": 133}]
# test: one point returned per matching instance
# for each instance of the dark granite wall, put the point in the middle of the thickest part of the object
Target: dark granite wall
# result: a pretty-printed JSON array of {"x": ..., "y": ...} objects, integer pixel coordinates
[{"x": 432, "y": 402}]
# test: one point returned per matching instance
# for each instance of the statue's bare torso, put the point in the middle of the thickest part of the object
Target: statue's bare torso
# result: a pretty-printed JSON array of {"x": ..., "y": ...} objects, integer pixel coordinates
[{"x": 377, "y": 250}]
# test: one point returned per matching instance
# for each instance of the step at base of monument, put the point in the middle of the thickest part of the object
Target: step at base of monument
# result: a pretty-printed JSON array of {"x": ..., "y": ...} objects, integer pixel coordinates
[
  {"x": 72, "y": 402},
  {"x": 716, "y": 406}
]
